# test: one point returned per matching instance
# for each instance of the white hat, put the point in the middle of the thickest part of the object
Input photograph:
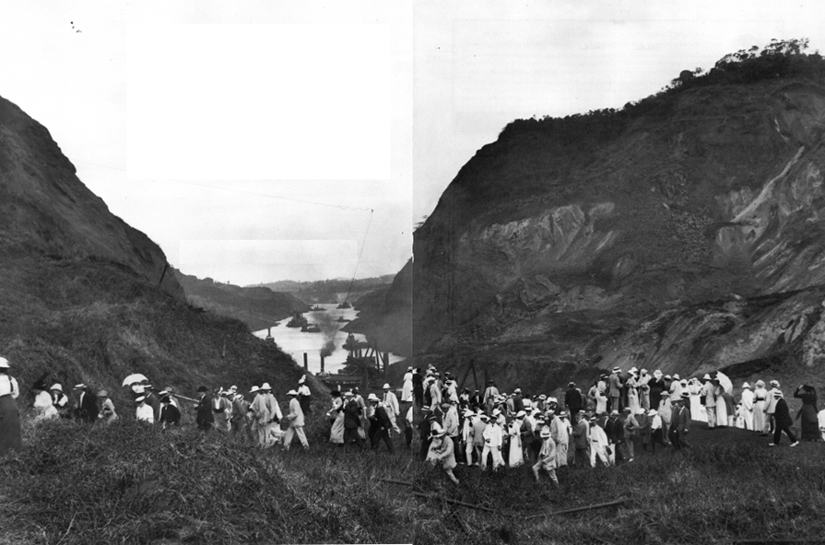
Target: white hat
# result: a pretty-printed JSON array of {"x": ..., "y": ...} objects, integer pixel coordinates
[
  {"x": 746, "y": 385},
  {"x": 439, "y": 432},
  {"x": 302, "y": 379},
  {"x": 657, "y": 373},
  {"x": 292, "y": 393},
  {"x": 4, "y": 363},
  {"x": 386, "y": 386},
  {"x": 521, "y": 414},
  {"x": 496, "y": 412},
  {"x": 616, "y": 369},
  {"x": 517, "y": 391},
  {"x": 775, "y": 383},
  {"x": 706, "y": 377},
  {"x": 265, "y": 386},
  {"x": 79, "y": 386},
  {"x": 676, "y": 376},
  {"x": 633, "y": 370},
  {"x": 640, "y": 411},
  {"x": 372, "y": 397},
  {"x": 140, "y": 399},
  {"x": 57, "y": 387},
  {"x": 485, "y": 417},
  {"x": 652, "y": 412},
  {"x": 253, "y": 389},
  {"x": 545, "y": 433}
]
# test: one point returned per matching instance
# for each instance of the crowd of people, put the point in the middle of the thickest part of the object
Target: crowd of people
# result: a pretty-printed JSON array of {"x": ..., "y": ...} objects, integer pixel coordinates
[{"x": 619, "y": 413}]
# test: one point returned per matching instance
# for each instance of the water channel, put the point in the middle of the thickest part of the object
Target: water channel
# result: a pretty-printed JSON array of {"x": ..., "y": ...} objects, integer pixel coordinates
[{"x": 297, "y": 343}]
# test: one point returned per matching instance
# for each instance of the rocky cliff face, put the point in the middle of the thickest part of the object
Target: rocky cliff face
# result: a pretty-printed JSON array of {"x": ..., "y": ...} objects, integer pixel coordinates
[
  {"x": 686, "y": 237},
  {"x": 45, "y": 209}
]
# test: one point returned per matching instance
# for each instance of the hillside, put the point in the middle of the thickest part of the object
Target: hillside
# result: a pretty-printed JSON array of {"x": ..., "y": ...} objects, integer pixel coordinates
[
  {"x": 331, "y": 291},
  {"x": 87, "y": 298},
  {"x": 385, "y": 314},
  {"x": 257, "y": 307},
  {"x": 683, "y": 232}
]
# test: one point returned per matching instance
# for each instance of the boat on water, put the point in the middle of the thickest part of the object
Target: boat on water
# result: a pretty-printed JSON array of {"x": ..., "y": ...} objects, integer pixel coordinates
[
  {"x": 297, "y": 320},
  {"x": 318, "y": 308},
  {"x": 345, "y": 304},
  {"x": 342, "y": 319},
  {"x": 311, "y": 329}
]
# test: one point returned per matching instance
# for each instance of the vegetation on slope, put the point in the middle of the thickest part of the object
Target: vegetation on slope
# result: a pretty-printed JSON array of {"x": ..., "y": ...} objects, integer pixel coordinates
[
  {"x": 330, "y": 291},
  {"x": 138, "y": 484},
  {"x": 257, "y": 307},
  {"x": 96, "y": 322}
]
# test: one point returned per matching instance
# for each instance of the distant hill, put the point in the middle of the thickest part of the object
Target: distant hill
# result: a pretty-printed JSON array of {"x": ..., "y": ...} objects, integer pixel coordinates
[
  {"x": 87, "y": 298},
  {"x": 330, "y": 291},
  {"x": 258, "y": 307}
]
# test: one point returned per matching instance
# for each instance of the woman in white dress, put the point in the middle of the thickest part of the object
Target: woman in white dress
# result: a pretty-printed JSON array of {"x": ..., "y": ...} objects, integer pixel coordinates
[
  {"x": 721, "y": 406},
  {"x": 516, "y": 453},
  {"x": 760, "y": 403},
  {"x": 336, "y": 415},
  {"x": 697, "y": 410},
  {"x": 633, "y": 394}
]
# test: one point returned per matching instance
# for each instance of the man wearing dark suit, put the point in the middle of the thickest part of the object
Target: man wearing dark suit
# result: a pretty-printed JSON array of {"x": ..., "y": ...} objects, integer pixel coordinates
[
  {"x": 204, "y": 416},
  {"x": 679, "y": 422},
  {"x": 86, "y": 408},
  {"x": 169, "y": 414},
  {"x": 152, "y": 400},
  {"x": 573, "y": 401},
  {"x": 783, "y": 420}
]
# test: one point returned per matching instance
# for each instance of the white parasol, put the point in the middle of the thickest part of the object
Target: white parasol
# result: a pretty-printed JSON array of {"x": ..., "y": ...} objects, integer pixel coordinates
[
  {"x": 131, "y": 379},
  {"x": 724, "y": 381}
]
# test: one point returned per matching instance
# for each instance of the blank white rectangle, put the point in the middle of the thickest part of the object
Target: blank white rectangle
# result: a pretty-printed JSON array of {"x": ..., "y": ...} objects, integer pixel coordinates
[{"x": 282, "y": 101}]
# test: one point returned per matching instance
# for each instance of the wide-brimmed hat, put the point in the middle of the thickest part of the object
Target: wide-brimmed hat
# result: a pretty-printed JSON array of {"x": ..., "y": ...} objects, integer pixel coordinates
[
  {"x": 746, "y": 385},
  {"x": 80, "y": 386},
  {"x": 542, "y": 397},
  {"x": 265, "y": 386},
  {"x": 614, "y": 412},
  {"x": 521, "y": 414},
  {"x": 4, "y": 363},
  {"x": 640, "y": 411},
  {"x": 775, "y": 383},
  {"x": 386, "y": 386},
  {"x": 292, "y": 393},
  {"x": 545, "y": 433},
  {"x": 438, "y": 432},
  {"x": 496, "y": 412},
  {"x": 517, "y": 391},
  {"x": 253, "y": 389},
  {"x": 616, "y": 369},
  {"x": 57, "y": 387},
  {"x": 485, "y": 417},
  {"x": 760, "y": 383},
  {"x": 350, "y": 394},
  {"x": 372, "y": 397},
  {"x": 140, "y": 399},
  {"x": 652, "y": 412}
]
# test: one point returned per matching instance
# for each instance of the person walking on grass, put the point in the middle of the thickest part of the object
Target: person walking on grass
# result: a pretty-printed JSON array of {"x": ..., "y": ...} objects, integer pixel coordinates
[
  {"x": 169, "y": 414},
  {"x": 203, "y": 410},
  {"x": 304, "y": 395},
  {"x": 493, "y": 441},
  {"x": 808, "y": 412},
  {"x": 10, "y": 435},
  {"x": 295, "y": 417},
  {"x": 631, "y": 429},
  {"x": 380, "y": 424},
  {"x": 107, "y": 412},
  {"x": 581, "y": 442},
  {"x": 747, "y": 401},
  {"x": 598, "y": 443},
  {"x": 760, "y": 404},
  {"x": 770, "y": 408},
  {"x": 680, "y": 422},
  {"x": 144, "y": 412},
  {"x": 709, "y": 393},
  {"x": 547, "y": 457},
  {"x": 782, "y": 420},
  {"x": 442, "y": 452},
  {"x": 352, "y": 421},
  {"x": 392, "y": 407},
  {"x": 656, "y": 430},
  {"x": 222, "y": 411}
]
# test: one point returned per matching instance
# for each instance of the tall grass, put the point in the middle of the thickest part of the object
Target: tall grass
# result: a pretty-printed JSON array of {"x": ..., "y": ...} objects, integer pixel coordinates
[{"x": 138, "y": 484}]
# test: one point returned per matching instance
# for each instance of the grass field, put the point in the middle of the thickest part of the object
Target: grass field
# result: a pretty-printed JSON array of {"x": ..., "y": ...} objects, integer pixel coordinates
[{"x": 133, "y": 484}]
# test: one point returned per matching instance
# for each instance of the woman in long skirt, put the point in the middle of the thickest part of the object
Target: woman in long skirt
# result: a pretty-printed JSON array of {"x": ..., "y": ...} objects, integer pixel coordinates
[
  {"x": 697, "y": 410},
  {"x": 808, "y": 412},
  {"x": 633, "y": 394},
  {"x": 760, "y": 402},
  {"x": 336, "y": 415},
  {"x": 516, "y": 454},
  {"x": 10, "y": 438},
  {"x": 721, "y": 407}
]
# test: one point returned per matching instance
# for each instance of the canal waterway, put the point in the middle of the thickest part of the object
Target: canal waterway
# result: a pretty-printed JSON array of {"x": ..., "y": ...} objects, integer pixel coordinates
[{"x": 297, "y": 343}]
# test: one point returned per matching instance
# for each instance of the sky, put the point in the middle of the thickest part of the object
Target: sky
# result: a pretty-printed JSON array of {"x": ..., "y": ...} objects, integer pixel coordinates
[{"x": 257, "y": 141}]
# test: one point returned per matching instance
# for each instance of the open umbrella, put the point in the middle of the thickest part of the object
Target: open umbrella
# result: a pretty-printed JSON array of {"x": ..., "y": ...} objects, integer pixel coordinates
[
  {"x": 131, "y": 379},
  {"x": 724, "y": 381}
]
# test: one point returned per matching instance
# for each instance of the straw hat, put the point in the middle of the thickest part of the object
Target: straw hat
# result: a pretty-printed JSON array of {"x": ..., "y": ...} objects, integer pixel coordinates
[
  {"x": 292, "y": 393},
  {"x": 140, "y": 399},
  {"x": 265, "y": 386},
  {"x": 4, "y": 363},
  {"x": 57, "y": 387}
]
